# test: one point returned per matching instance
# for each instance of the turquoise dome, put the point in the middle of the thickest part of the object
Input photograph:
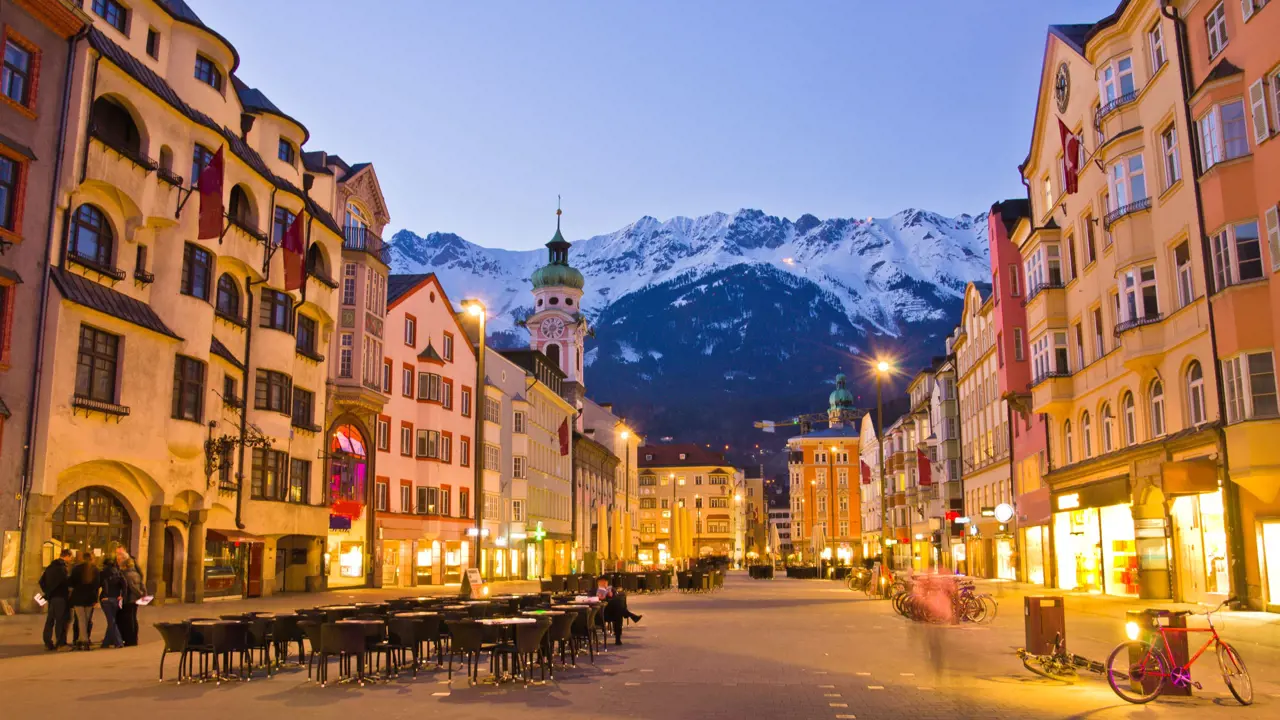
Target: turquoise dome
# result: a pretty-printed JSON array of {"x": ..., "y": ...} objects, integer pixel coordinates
[
  {"x": 557, "y": 272},
  {"x": 840, "y": 397}
]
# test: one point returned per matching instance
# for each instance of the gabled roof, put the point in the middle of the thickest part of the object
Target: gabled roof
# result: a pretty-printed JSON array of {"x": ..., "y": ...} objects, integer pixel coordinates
[
  {"x": 1224, "y": 69},
  {"x": 146, "y": 77},
  {"x": 400, "y": 285},
  {"x": 83, "y": 291},
  {"x": 217, "y": 348},
  {"x": 430, "y": 355},
  {"x": 669, "y": 456},
  {"x": 1011, "y": 211},
  {"x": 1073, "y": 35}
]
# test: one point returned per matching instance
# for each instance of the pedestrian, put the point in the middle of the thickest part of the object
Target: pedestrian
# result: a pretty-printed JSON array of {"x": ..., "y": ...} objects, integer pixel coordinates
[
  {"x": 56, "y": 588},
  {"x": 112, "y": 602},
  {"x": 615, "y": 609},
  {"x": 133, "y": 592},
  {"x": 85, "y": 583}
]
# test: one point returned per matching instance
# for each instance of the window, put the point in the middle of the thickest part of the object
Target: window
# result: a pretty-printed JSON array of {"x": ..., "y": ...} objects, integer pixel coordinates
[
  {"x": 275, "y": 310},
  {"x": 1169, "y": 149},
  {"x": 11, "y": 173},
  {"x": 492, "y": 410},
  {"x": 381, "y": 495},
  {"x": 114, "y": 13},
  {"x": 16, "y": 73},
  {"x": 188, "y": 389},
  {"x": 1090, "y": 247},
  {"x": 428, "y": 444},
  {"x": 446, "y": 448},
  {"x": 346, "y": 343},
  {"x": 429, "y": 387},
  {"x": 464, "y": 452},
  {"x": 208, "y": 73},
  {"x": 1116, "y": 82},
  {"x": 517, "y": 511},
  {"x": 1195, "y": 394},
  {"x": 91, "y": 236},
  {"x": 384, "y": 435},
  {"x": 1099, "y": 349},
  {"x": 1215, "y": 24},
  {"x": 386, "y": 377},
  {"x": 492, "y": 457},
  {"x": 517, "y": 422},
  {"x": 197, "y": 269},
  {"x": 1130, "y": 419},
  {"x": 1258, "y": 107},
  {"x": 1275, "y": 99},
  {"x": 271, "y": 391},
  {"x": 464, "y": 502},
  {"x": 96, "y": 365},
  {"x": 1157, "y": 408},
  {"x": 426, "y": 500},
  {"x": 200, "y": 157},
  {"x": 1250, "y": 385},
  {"x": 299, "y": 481},
  {"x": 285, "y": 152},
  {"x": 1014, "y": 290},
  {"x": 1237, "y": 255},
  {"x": 517, "y": 466},
  {"x": 281, "y": 222},
  {"x": 1128, "y": 181},
  {"x": 1186, "y": 282},
  {"x": 447, "y": 347},
  {"x": 304, "y": 402},
  {"x": 267, "y": 478},
  {"x": 1086, "y": 437},
  {"x": 1155, "y": 43},
  {"x": 349, "y": 284},
  {"x": 410, "y": 331},
  {"x": 153, "y": 43},
  {"x": 227, "y": 301},
  {"x": 1140, "y": 297},
  {"x": 306, "y": 334},
  {"x": 1079, "y": 333},
  {"x": 466, "y": 402},
  {"x": 406, "y": 439},
  {"x": 1067, "y": 442},
  {"x": 1223, "y": 134}
]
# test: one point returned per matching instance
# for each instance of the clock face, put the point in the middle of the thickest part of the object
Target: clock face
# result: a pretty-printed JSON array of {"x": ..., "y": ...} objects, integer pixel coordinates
[
  {"x": 553, "y": 327},
  {"x": 1062, "y": 87}
]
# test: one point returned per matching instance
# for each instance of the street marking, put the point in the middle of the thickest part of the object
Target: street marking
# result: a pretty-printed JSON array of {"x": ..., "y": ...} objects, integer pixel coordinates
[
  {"x": 875, "y": 687},
  {"x": 826, "y": 687},
  {"x": 631, "y": 684},
  {"x": 838, "y": 705},
  {"x": 439, "y": 694},
  {"x": 863, "y": 674},
  {"x": 819, "y": 672},
  {"x": 846, "y": 717},
  {"x": 907, "y": 674},
  {"x": 646, "y": 670},
  {"x": 831, "y": 695}
]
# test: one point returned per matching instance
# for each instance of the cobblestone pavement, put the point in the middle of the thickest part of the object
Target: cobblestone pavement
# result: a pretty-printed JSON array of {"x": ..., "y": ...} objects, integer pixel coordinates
[{"x": 757, "y": 649}]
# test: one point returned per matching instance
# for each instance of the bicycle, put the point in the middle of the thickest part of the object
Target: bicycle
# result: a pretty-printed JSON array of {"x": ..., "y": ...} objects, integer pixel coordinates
[
  {"x": 1059, "y": 664},
  {"x": 1143, "y": 681}
]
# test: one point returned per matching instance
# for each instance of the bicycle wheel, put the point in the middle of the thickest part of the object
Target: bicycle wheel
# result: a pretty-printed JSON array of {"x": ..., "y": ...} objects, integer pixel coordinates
[
  {"x": 989, "y": 603},
  {"x": 1047, "y": 666},
  {"x": 1235, "y": 674},
  {"x": 1139, "y": 682},
  {"x": 972, "y": 609}
]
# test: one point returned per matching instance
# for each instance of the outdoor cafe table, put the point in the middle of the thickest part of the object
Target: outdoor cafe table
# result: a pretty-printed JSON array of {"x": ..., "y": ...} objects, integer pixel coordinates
[{"x": 507, "y": 626}]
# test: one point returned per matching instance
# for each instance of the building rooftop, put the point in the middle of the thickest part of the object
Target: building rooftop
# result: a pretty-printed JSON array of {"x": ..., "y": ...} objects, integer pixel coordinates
[
  {"x": 83, "y": 291},
  {"x": 669, "y": 456}
]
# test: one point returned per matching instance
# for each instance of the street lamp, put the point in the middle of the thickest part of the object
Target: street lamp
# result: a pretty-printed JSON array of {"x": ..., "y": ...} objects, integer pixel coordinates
[
  {"x": 882, "y": 369},
  {"x": 476, "y": 309},
  {"x": 626, "y": 477}
]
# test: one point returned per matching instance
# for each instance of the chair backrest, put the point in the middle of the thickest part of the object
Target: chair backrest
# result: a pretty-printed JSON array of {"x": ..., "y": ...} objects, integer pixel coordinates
[
  {"x": 562, "y": 626},
  {"x": 260, "y": 630},
  {"x": 478, "y": 611},
  {"x": 402, "y": 631},
  {"x": 581, "y": 622},
  {"x": 230, "y": 637},
  {"x": 528, "y": 637},
  {"x": 286, "y": 628},
  {"x": 352, "y": 637},
  {"x": 429, "y": 628},
  {"x": 174, "y": 635},
  {"x": 311, "y": 629},
  {"x": 468, "y": 635}
]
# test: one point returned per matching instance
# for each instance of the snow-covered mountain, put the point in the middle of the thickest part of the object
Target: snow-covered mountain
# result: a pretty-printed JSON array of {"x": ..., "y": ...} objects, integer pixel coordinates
[{"x": 703, "y": 324}]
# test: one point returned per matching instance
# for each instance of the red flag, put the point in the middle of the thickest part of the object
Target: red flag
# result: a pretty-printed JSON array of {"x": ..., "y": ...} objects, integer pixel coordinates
[
  {"x": 212, "y": 210},
  {"x": 564, "y": 437},
  {"x": 866, "y": 473},
  {"x": 1070, "y": 157},
  {"x": 926, "y": 472},
  {"x": 293, "y": 249}
]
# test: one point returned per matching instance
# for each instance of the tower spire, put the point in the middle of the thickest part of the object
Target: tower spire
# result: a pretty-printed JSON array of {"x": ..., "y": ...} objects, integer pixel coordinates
[{"x": 557, "y": 212}]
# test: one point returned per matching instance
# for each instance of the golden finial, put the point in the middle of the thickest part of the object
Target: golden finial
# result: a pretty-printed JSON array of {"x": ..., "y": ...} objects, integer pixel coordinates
[{"x": 558, "y": 213}]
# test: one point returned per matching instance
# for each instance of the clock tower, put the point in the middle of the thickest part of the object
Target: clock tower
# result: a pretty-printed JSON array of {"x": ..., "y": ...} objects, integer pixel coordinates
[{"x": 557, "y": 326}]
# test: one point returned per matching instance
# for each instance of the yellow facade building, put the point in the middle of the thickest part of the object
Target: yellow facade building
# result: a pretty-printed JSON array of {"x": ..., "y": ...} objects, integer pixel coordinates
[{"x": 688, "y": 477}]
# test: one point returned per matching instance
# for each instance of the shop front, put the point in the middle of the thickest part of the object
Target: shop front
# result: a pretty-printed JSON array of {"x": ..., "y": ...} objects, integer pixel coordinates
[
  {"x": 1034, "y": 513},
  {"x": 1095, "y": 543},
  {"x": 347, "y": 546},
  {"x": 232, "y": 564},
  {"x": 1200, "y": 536}
]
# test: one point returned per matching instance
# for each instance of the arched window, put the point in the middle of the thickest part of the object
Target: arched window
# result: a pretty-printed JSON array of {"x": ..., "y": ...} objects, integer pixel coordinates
[
  {"x": 91, "y": 236},
  {"x": 1130, "y": 419},
  {"x": 356, "y": 217},
  {"x": 92, "y": 519},
  {"x": 1108, "y": 428},
  {"x": 1157, "y": 408},
  {"x": 240, "y": 209},
  {"x": 1086, "y": 435},
  {"x": 113, "y": 125},
  {"x": 553, "y": 354},
  {"x": 228, "y": 299},
  {"x": 1195, "y": 393},
  {"x": 1068, "y": 451},
  {"x": 316, "y": 265},
  {"x": 166, "y": 158}
]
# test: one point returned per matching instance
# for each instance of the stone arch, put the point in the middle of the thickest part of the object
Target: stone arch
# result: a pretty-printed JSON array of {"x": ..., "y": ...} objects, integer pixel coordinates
[
  {"x": 115, "y": 121},
  {"x": 318, "y": 261},
  {"x": 136, "y": 490},
  {"x": 242, "y": 206}
]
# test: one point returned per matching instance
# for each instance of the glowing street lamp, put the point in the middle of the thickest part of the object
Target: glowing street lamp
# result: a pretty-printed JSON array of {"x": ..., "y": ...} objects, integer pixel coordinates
[
  {"x": 476, "y": 309},
  {"x": 883, "y": 368}
]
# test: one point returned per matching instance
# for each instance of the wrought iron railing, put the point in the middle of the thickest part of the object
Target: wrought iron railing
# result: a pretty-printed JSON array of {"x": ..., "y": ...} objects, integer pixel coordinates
[
  {"x": 133, "y": 155},
  {"x": 92, "y": 264},
  {"x": 1042, "y": 286},
  {"x": 1138, "y": 322},
  {"x": 1114, "y": 105},
  {"x": 364, "y": 240},
  {"x": 1133, "y": 207}
]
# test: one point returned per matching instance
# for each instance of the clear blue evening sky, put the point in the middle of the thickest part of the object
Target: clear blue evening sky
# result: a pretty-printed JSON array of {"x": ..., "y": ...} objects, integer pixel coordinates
[{"x": 476, "y": 114}]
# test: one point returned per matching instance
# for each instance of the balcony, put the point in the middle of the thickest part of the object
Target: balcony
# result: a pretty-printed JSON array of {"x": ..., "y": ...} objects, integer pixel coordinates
[
  {"x": 1142, "y": 342},
  {"x": 1047, "y": 306},
  {"x": 142, "y": 277},
  {"x": 124, "y": 150},
  {"x": 363, "y": 240},
  {"x": 309, "y": 354},
  {"x": 1114, "y": 105},
  {"x": 1123, "y": 211},
  {"x": 89, "y": 405},
  {"x": 1043, "y": 287},
  {"x": 93, "y": 265},
  {"x": 1137, "y": 322},
  {"x": 243, "y": 224},
  {"x": 1052, "y": 391}
]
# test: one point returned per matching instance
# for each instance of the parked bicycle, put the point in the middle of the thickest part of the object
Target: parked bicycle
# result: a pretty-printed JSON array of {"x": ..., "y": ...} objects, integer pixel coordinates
[
  {"x": 942, "y": 598},
  {"x": 1059, "y": 664},
  {"x": 1138, "y": 670}
]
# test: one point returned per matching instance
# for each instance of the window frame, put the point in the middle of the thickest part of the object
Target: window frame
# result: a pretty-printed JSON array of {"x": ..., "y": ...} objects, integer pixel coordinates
[
  {"x": 189, "y": 375},
  {"x": 1216, "y": 30},
  {"x": 1155, "y": 47},
  {"x": 105, "y": 8},
  {"x": 103, "y": 367},
  {"x": 14, "y": 193},
  {"x": 1241, "y": 394},
  {"x": 286, "y": 152},
  {"x": 1156, "y": 401},
  {"x": 30, "y": 75},
  {"x": 196, "y": 261},
  {"x": 273, "y": 383},
  {"x": 1197, "y": 410},
  {"x": 1169, "y": 152},
  {"x": 275, "y": 310},
  {"x": 303, "y": 417},
  {"x": 214, "y": 77},
  {"x": 104, "y": 240}
]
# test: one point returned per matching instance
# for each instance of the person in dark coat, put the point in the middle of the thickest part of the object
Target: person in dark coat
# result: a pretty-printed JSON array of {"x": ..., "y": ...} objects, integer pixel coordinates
[
  {"x": 112, "y": 602},
  {"x": 56, "y": 587},
  {"x": 615, "y": 611},
  {"x": 85, "y": 584},
  {"x": 133, "y": 592}
]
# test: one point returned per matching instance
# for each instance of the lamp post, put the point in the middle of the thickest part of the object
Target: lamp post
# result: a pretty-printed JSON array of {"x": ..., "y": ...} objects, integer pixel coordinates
[
  {"x": 626, "y": 486},
  {"x": 476, "y": 309},
  {"x": 671, "y": 519},
  {"x": 833, "y": 493},
  {"x": 882, "y": 369}
]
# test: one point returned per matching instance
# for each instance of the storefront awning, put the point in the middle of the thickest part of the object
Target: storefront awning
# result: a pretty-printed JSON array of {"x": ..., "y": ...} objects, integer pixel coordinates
[
  {"x": 236, "y": 536},
  {"x": 1190, "y": 477}
]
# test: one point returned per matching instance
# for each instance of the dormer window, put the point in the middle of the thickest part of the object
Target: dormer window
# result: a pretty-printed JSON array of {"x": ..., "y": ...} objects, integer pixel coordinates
[
  {"x": 286, "y": 152},
  {"x": 208, "y": 73},
  {"x": 116, "y": 15}
]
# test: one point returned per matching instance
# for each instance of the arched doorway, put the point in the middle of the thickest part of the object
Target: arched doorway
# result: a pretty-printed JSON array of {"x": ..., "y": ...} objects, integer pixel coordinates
[
  {"x": 92, "y": 519},
  {"x": 172, "y": 567},
  {"x": 347, "y": 550}
]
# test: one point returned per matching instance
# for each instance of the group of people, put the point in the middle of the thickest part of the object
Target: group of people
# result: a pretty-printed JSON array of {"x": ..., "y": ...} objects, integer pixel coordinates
[{"x": 72, "y": 592}]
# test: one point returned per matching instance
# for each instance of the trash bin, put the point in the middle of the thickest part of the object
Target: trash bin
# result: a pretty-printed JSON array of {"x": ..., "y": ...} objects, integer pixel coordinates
[
  {"x": 1177, "y": 644},
  {"x": 1045, "y": 618}
]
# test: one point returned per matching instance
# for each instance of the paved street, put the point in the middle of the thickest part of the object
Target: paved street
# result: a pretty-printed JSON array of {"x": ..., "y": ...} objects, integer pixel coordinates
[{"x": 770, "y": 649}]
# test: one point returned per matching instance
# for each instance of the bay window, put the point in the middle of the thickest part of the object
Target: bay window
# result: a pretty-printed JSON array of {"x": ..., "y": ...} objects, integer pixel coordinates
[
  {"x": 1141, "y": 300},
  {"x": 1237, "y": 255},
  {"x": 1117, "y": 81},
  {"x": 1223, "y": 134},
  {"x": 1128, "y": 181},
  {"x": 1249, "y": 382}
]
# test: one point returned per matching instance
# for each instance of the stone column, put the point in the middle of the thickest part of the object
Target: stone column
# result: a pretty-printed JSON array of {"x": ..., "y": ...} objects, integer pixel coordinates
[
  {"x": 36, "y": 529},
  {"x": 155, "y": 553},
  {"x": 194, "y": 573}
]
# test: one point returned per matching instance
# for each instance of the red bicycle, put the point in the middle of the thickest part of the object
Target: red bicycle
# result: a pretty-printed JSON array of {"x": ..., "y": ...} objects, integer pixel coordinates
[{"x": 1138, "y": 671}]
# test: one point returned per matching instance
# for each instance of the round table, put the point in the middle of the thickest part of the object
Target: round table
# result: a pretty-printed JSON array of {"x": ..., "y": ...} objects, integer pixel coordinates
[
  {"x": 415, "y": 614},
  {"x": 543, "y": 613}
]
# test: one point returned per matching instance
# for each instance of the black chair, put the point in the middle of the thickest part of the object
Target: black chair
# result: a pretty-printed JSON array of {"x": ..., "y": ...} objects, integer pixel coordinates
[
  {"x": 312, "y": 629},
  {"x": 528, "y": 648},
  {"x": 561, "y": 633},
  {"x": 467, "y": 641},
  {"x": 260, "y": 639},
  {"x": 200, "y": 644},
  {"x": 343, "y": 641},
  {"x": 583, "y": 630},
  {"x": 175, "y": 636},
  {"x": 430, "y": 631},
  {"x": 230, "y": 642},
  {"x": 402, "y": 637},
  {"x": 285, "y": 630}
]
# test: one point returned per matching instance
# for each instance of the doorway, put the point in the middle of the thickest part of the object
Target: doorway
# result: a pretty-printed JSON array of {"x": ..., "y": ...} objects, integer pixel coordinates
[
  {"x": 254, "y": 581},
  {"x": 172, "y": 563}
]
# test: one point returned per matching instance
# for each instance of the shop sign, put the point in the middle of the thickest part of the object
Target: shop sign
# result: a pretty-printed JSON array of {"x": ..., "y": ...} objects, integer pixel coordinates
[
  {"x": 1103, "y": 493},
  {"x": 1149, "y": 528},
  {"x": 1003, "y": 512},
  {"x": 988, "y": 512}
]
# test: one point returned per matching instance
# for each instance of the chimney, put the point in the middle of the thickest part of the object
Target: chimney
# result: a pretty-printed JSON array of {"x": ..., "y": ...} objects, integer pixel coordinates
[
  {"x": 246, "y": 124},
  {"x": 308, "y": 181},
  {"x": 607, "y": 406}
]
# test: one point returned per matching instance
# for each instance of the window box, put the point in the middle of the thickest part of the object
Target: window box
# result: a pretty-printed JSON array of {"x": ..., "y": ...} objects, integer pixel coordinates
[
  {"x": 311, "y": 355},
  {"x": 89, "y": 405}
]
